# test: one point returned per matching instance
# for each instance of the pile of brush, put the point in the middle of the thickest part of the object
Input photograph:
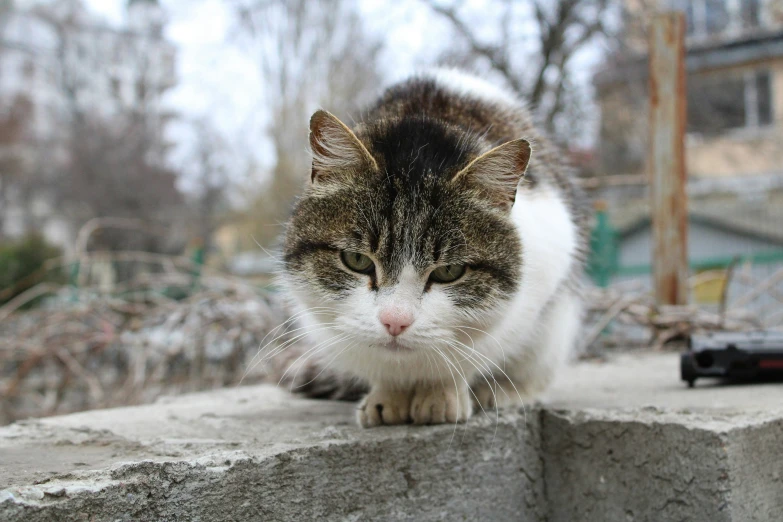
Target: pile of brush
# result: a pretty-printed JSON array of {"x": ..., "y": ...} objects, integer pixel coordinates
[
  {"x": 84, "y": 349},
  {"x": 626, "y": 315}
]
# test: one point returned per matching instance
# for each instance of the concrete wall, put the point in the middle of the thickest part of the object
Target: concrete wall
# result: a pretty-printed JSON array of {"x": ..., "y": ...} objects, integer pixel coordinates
[
  {"x": 615, "y": 441},
  {"x": 749, "y": 151}
]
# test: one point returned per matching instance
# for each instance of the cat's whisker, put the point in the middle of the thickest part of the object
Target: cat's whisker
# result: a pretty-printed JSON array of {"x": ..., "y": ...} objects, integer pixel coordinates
[
  {"x": 467, "y": 354},
  {"x": 461, "y": 372},
  {"x": 342, "y": 339},
  {"x": 315, "y": 309},
  {"x": 502, "y": 350},
  {"x": 312, "y": 350},
  {"x": 282, "y": 347},
  {"x": 289, "y": 332},
  {"x": 479, "y": 370},
  {"x": 494, "y": 364},
  {"x": 492, "y": 386},
  {"x": 457, "y": 367},
  {"x": 483, "y": 372},
  {"x": 285, "y": 333},
  {"x": 307, "y": 328},
  {"x": 289, "y": 342},
  {"x": 329, "y": 362},
  {"x": 482, "y": 368},
  {"x": 456, "y": 390},
  {"x": 276, "y": 259}
]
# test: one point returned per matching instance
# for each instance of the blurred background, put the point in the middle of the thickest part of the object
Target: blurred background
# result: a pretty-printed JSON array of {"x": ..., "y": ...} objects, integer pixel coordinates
[{"x": 150, "y": 151}]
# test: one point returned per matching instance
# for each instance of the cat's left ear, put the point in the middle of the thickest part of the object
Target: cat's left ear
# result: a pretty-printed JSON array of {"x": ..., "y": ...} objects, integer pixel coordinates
[
  {"x": 337, "y": 152},
  {"x": 498, "y": 172}
]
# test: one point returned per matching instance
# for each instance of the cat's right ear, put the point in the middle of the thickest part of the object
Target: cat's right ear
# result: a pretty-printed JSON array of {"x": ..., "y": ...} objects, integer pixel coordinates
[
  {"x": 337, "y": 152},
  {"x": 497, "y": 173}
]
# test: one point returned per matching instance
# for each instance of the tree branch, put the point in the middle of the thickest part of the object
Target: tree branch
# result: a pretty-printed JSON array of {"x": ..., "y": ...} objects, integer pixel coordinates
[{"x": 497, "y": 57}]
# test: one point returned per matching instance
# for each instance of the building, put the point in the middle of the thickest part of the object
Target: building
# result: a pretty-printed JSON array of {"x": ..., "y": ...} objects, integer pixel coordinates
[
  {"x": 57, "y": 59},
  {"x": 735, "y": 90},
  {"x": 734, "y": 157}
]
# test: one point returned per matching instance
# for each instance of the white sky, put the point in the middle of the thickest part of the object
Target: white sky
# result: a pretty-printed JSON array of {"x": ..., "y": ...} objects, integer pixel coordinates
[
  {"x": 220, "y": 82},
  {"x": 217, "y": 81},
  {"x": 214, "y": 73}
]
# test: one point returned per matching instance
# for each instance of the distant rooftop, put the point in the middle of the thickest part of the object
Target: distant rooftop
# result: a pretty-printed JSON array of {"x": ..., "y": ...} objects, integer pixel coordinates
[{"x": 745, "y": 216}]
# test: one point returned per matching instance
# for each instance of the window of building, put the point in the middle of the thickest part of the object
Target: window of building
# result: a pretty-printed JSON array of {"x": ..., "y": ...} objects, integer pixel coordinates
[
  {"x": 764, "y": 97},
  {"x": 715, "y": 17},
  {"x": 750, "y": 14},
  {"x": 690, "y": 18},
  {"x": 718, "y": 103}
]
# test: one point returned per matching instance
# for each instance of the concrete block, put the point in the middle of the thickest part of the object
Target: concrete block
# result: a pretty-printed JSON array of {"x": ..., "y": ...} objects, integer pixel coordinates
[
  {"x": 259, "y": 454},
  {"x": 623, "y": 440},
  {"x": 626, "y": 440},
  {"x": 649, "y": 466}
]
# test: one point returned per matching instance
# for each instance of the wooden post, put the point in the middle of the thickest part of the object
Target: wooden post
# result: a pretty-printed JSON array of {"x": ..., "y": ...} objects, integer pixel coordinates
[{"x": 666, "y": 161}]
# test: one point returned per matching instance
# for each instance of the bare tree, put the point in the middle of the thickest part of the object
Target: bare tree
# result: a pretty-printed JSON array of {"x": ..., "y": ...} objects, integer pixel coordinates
[
  {"x": 12, "y": 176},
  {"x": 207, "y": 167},
  {"x": 18, "y": 176},
  {"x": 533, "y": 49},
  {"x": 112, "y": 160},
  {"x": 108, "y": 174},
  {"x": 309, "y": 54},
  {"x": 11, "y": 126}
]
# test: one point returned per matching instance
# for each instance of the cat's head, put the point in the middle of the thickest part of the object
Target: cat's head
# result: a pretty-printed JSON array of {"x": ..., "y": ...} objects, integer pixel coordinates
[{"x": 402, "y": 238}]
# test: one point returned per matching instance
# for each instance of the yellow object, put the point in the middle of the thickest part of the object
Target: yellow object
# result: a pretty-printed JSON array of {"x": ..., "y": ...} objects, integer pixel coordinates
[{"x": 708, "y": 289}]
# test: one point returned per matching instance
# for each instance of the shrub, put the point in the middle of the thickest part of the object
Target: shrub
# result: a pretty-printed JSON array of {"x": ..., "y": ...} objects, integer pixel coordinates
[{"x": 22, "y": 265}]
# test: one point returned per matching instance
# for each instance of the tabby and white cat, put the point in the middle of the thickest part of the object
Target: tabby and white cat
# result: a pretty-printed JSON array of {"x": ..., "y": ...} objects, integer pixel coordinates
[{"x": 424, "y": 260}]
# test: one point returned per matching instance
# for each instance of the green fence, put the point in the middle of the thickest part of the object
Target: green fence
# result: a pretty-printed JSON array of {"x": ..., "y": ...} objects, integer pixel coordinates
[{"x": 604, "y": 260}]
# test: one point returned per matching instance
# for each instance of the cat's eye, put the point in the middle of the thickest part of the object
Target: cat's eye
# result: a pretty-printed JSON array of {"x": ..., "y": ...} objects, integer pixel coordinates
[
  {"x": 357, "y": 262},
  {"x": 447, "y": 273}
]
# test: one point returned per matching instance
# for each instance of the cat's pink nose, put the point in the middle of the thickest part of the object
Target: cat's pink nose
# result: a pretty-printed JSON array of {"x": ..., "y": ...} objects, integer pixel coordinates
[{"x": 396, "y": 320}]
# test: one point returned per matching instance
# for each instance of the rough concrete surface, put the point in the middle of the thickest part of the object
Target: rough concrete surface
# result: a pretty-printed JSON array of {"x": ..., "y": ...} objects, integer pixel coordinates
[
  {"x": 259, "y": 454},
  {"x": 623, "y": 440},
  {"x": 628, "y": 441}
]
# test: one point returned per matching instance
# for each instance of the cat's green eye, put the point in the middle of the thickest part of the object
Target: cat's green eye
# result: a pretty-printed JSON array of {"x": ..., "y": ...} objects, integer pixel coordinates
[
  {"x": 447, "y": 274},
  {"x": 357, "y": 262}
]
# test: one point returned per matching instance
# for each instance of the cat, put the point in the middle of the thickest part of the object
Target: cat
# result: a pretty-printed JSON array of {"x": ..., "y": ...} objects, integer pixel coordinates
[{"x": 436, "y": 253}]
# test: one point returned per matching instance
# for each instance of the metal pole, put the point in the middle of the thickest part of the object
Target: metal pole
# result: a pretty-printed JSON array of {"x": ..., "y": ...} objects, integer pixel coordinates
[{"x": 666, "y": 168}]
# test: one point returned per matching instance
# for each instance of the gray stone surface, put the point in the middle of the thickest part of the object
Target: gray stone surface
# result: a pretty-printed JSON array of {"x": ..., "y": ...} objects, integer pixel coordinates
[
  {"x": 649, "y": 466},
  {"x": 653, "y": 380},
  {"x": 623, "y": 440},
  {"x": 628, "y": 441},
  {"x": 259, "y": 454}
]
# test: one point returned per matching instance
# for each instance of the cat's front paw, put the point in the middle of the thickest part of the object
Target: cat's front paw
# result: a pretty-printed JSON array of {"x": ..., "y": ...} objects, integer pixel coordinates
[
  {"x": 438, "y": 404},
  {"x": 384, "y": 407}
]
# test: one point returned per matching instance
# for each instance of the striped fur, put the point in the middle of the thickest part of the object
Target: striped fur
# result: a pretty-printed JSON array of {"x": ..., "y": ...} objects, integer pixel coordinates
[{"x": 439, "y": 172}]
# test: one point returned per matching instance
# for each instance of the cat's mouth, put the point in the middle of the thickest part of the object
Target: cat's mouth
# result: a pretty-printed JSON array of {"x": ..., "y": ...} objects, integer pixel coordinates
[{"x": 395, "y": 346}]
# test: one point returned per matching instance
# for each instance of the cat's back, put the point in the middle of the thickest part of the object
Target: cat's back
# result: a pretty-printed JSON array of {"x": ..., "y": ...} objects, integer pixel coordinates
[{"x": 472, "y": 104}]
